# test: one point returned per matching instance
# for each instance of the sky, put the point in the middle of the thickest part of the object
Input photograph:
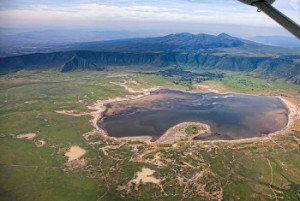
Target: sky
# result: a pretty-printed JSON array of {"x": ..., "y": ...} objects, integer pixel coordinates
[{"x": 210, "y": 16}]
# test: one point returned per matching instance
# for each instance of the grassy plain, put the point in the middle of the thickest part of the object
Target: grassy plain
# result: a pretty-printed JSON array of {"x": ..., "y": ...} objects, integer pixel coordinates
[{"x": 256, "y": 170}]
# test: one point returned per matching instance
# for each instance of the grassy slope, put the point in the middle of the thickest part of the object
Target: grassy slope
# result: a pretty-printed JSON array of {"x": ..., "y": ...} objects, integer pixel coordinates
[{"x": 40, "y": 176}]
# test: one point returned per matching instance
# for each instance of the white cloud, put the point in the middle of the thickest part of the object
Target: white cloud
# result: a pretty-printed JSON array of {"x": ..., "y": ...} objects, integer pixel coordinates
[{"x": 118, "y": 11}]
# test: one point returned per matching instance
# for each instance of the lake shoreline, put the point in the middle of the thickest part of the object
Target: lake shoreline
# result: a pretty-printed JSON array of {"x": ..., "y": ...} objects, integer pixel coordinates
[{"x": 100, "y": 107}]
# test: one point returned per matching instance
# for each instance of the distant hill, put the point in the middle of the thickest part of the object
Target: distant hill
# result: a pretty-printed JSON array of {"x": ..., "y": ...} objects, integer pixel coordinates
[
  {"x": 182, "y": 42},
  {"x": 175, "y": 42},
  {"x": 186, "y": 50}
]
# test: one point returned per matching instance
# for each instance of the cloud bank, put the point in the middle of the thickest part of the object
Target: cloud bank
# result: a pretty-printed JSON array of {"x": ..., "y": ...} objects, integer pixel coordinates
[{"x": 134, "y": 13}]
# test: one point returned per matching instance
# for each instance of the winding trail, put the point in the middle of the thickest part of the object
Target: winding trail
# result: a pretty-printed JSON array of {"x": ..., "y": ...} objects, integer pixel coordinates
[{"x": 272, "y": 180}]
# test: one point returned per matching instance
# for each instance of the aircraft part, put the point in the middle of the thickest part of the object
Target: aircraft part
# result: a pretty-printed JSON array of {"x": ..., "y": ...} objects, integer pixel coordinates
[{"x": 283, "y": 20}]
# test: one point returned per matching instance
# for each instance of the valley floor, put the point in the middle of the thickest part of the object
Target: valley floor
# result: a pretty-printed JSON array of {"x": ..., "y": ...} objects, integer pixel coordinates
[{"x": 61, "y": 110}]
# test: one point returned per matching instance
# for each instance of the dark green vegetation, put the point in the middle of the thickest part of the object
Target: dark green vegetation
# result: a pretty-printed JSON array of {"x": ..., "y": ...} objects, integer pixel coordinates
[
  {"x": 193, "y": 129},
  {"x": 187, "y": 78},
  {"x": 199, "y": 52},
  {"x": 28, "y": 99}
]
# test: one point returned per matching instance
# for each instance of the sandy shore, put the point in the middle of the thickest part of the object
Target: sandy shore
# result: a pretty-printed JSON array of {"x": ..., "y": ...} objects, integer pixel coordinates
[{"x": 294, "y": 114}]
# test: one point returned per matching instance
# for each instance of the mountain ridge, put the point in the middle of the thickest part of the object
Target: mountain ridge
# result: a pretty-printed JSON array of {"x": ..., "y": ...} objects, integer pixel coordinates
[
  {"x": 179, "y": 42},
  {"x": 201, "y": 51}
]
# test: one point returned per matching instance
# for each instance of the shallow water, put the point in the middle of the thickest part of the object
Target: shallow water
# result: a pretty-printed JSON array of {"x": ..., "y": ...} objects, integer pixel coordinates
[{"x": 231, "y": 116}]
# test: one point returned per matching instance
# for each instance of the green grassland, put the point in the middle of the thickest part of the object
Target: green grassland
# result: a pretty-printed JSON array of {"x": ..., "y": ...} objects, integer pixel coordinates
[{"x": 28, "y": 99}]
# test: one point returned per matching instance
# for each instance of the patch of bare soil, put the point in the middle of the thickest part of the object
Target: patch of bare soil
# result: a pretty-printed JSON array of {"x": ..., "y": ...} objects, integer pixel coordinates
[
  {"x": 75, "y": 164},
  {"x": 297, "y": 125},
  {"x": 31, "y": 102},
  {"x": 27, "y": 136},
  {"x": 70, "y": 113},
  {"x": 74, "y": 153},
  {"x": 112, "y": 75},
  {"x": 39, "y": 143},
  {"x": 214, "y": 88},
  {"x": 142, "y": 177},
  {"x": 207, "y": 89}
]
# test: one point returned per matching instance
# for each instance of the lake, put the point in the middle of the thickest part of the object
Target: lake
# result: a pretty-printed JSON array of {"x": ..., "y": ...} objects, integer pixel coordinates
[{"x": 231, "y": 116}]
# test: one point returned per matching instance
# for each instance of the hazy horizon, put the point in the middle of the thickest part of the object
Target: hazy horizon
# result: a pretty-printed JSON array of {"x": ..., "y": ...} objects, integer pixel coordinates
[{"x": 157, "y": 17}]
